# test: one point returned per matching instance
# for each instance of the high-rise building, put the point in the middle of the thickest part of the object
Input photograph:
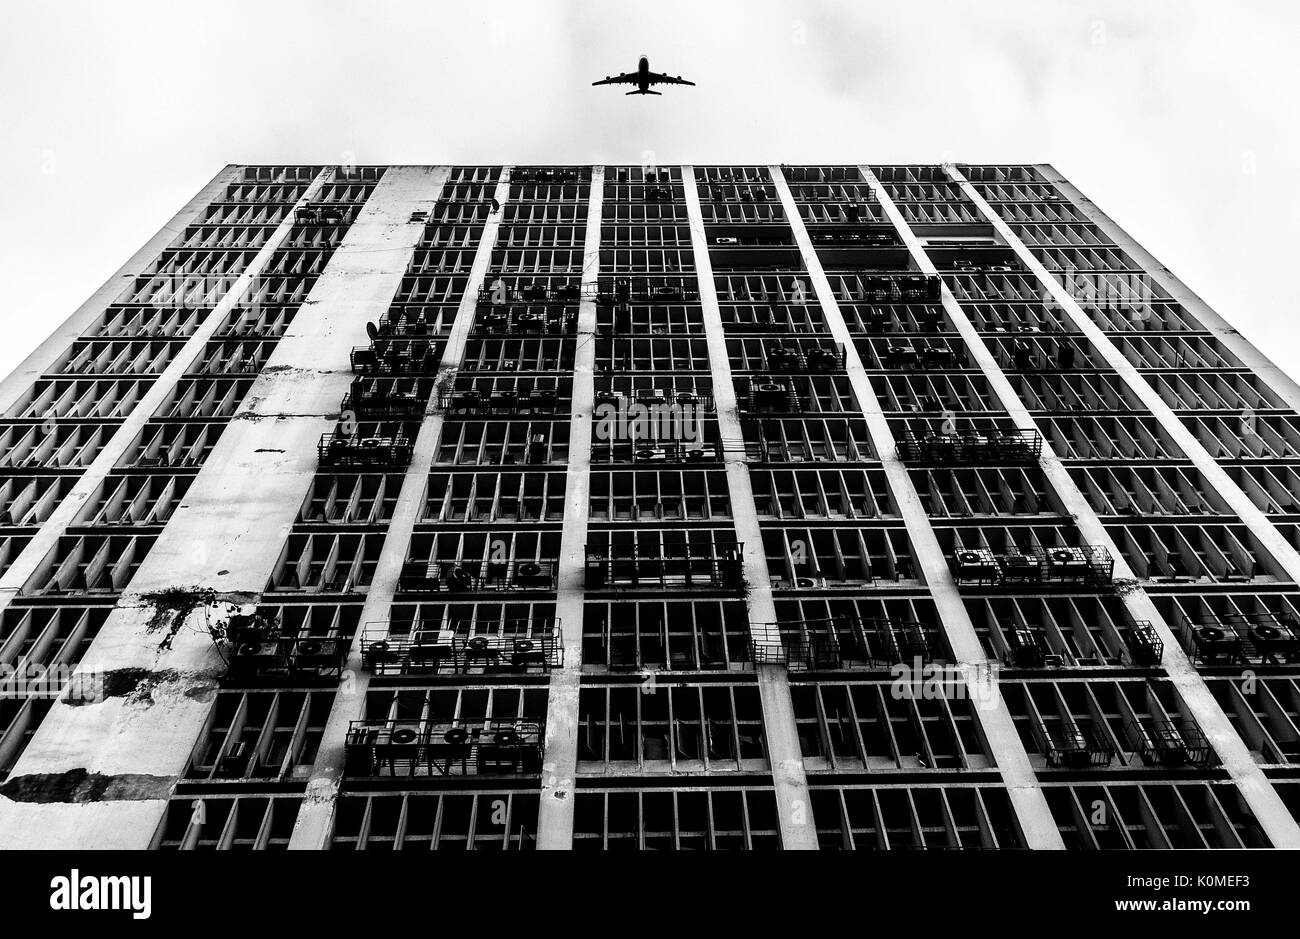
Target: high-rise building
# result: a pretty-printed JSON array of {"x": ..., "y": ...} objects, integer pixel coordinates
[{"x": 677, "y": 507}]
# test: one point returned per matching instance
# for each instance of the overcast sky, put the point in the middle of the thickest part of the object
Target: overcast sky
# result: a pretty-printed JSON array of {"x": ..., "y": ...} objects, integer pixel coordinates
[{"x": 1178, "y": 118}]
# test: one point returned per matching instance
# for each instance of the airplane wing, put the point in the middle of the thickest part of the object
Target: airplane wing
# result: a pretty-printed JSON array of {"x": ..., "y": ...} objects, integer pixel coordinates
[
  {"x": 657, "y": 78},
  {"x": 624, "y": 79}
]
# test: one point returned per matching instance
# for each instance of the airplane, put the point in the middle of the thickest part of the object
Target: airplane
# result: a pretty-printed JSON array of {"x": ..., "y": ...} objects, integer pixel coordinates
[{"x": 643, "y": 78}]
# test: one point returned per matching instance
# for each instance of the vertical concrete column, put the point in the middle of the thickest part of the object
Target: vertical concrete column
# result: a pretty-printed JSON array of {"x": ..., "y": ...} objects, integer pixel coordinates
[
  {"x": 1282, "y": 384},
  {"x": 98, "y": 772},
  {"x": 1200, "y": 701},
  {"x": 54, "y": 527},
  {"x": 315, "y": 822},
  {"x": 555, "y": 818},
  {"x": 793, "y": 805},
  {"x": 995, "y": 721},
  {"x": 89, "y": 313}
]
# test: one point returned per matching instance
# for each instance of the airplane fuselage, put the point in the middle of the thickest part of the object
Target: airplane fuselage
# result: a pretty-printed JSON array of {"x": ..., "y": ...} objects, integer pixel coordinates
[{"x": 643, "y": 74}]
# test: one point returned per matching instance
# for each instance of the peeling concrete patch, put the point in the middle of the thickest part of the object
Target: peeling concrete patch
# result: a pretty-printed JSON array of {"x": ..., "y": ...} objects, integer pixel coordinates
[
  {"x": 122, "y": 682},
  {"x": 268, "y": 450},
  {"x": 79, "y": 785},
  {"x": 1126, "y": 585},
  {"x": 137, "y": 686}
]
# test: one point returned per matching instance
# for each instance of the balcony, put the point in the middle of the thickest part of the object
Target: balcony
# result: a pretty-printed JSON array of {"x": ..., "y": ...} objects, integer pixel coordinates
[
  {"x": 770, "y": 396},
  {"x": 550, "y": 175},
  {"x": 1145, "y": 647},
  {"x": 499, "y": 404},
  {"x": 974, "y": 447},
  {"x": 675, "y": 567},
  {"x": 786, "y": 359},
  {"x": 258, "y": 650},
  {"x": 527, "y": 321},
  {"x": 657, "y": 453},
  {"x": 518, "y": 646},
  {"x": 921, "y": 357},
  {"x": 645, "y": 290},
  {"x": 894, "y": 288},
  {"x": 1242, "y": 639},
  {"x": 1081, "y": 745},
  {"x": 343, "y": 450},
  {"x": 389, "y": 401},
  {"x": 397, "y": 357},
  {"x": 434, "y": 576},
  {"x": 1169, "y": 743},
  {"x": 498, "y": 294},
  {"x": 324, "y": 215},
  {"x": 443, "y": 748},
  {"x": 1087, "y": 566},
  {"x": 845, "y": 237},
  {"x": 838, "y": 642}
]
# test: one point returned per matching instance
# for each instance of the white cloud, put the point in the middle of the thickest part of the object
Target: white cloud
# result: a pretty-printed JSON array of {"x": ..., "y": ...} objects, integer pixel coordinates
[{"x": 1152, "y": 108}]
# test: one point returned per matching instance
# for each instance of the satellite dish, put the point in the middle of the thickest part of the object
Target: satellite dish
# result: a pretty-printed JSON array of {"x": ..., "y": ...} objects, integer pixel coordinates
[{"x": 372, "y": 331}]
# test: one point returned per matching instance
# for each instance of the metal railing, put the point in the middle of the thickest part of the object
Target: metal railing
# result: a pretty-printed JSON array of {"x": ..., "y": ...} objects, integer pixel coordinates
[
  {"x": 443, "y": 748},
  {"x": 352, "y": 450},
  {"x": 973, "y": 447},
  {"x": 501, "y": 403},
  {"x": 300, "y": 656},
  {"x": 512, "y": 646},
  {"x": 1078, "y": 746},
  {"x": 789, "y": 359},
  {"x": 625, "y": 569},
  {"x": 1089, "y": 565},
  {"x": 839, "y": 642},
  {"x": 1242, "y": 639},
  {"x": 1166, "y": 742},
  {"x": 435, "y": 576}
]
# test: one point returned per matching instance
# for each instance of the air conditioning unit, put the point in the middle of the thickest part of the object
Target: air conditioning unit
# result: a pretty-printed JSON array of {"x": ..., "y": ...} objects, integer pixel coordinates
[
  {"x": 466, "y": 400},
  {"x": 809, "y": 583},
  {"x": 546, "y": 399},
  {"x": 781, "y": 358},
  {"x": 379, "y": 653},
  {"x": 313, "y": 654},
  {"x": 255, "y": 658},
  {"x": 494, "y": 321},
  {"x": 1275, "y": 639},
  {"x": 723, "y": 240},
  {"x": 483, "y": 649},
  {"x": 1213, "y": 641},
  {"x": 823, "y": 360},
  {"x": 527, "y": 651},
  {"x": 770, "y": 396},
  {"x": 234, "y": 763},
  {"x": 537, "y": 448},
  {"x": 532, "y": 574},
  {"x": 976, "y": 563},
  {"x": 459, "y": 580},
  {"x": 1027, "y": 648},
  {"x": 1067, "y": 562}
]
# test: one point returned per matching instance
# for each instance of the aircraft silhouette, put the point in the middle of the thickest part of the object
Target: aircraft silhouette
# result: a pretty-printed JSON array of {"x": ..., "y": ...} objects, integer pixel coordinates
[{"x": 643, "y": 78}]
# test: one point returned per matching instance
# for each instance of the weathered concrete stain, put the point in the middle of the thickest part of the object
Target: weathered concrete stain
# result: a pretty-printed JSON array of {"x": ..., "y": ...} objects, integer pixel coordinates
[{"x": 80, "y": 785}]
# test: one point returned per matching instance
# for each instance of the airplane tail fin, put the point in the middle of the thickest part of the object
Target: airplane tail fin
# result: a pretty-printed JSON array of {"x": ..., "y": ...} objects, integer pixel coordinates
[{"x": 647, "y": 92}]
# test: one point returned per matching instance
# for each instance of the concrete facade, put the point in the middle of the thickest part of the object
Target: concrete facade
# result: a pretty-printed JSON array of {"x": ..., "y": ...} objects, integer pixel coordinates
[{"x": 908, "y": 538}]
